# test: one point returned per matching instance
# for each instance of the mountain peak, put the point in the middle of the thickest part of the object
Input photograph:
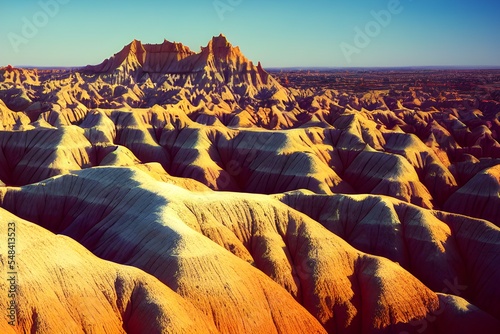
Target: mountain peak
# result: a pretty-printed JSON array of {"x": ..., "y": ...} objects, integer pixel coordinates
[
  {"x": 221, "y": 48},
  {"x": 220, "y": 40},
  {"x": 136, "y": 48},
  {"x": 218, "y": 63}
]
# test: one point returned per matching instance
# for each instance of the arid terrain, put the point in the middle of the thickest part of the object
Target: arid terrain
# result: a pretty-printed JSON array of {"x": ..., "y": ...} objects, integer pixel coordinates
[{"x": 173, "y": 191}]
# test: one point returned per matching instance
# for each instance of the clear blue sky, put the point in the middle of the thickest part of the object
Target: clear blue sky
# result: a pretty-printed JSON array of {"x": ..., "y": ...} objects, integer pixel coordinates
[{"x": 278, "y": 33}]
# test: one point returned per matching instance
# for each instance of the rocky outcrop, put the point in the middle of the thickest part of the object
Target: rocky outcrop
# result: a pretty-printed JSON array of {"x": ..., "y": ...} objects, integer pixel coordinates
[{"x": 218, "y": 67}]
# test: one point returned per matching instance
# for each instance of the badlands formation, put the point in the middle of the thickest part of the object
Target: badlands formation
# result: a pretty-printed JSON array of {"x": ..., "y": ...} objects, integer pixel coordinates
[{"x": 169, "y": 191}]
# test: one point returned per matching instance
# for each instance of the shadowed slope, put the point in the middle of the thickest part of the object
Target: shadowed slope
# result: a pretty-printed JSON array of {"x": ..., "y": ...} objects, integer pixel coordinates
[
  {"x": 160, "y": 228},
  {"x": 63, "y": 288},
  {"x": 447, "y": 252},
  {"x": 479, "y": 197},
  {"x": 355, "y": 157},
  {"x": 34, "y": 155},
  {"x": 131, "y": 222}
]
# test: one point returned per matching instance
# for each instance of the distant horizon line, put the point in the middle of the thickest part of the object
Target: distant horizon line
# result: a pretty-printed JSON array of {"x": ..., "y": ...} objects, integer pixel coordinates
[
  {"x": 409, "y": 67},
  {"x": 299, "y": 68}
]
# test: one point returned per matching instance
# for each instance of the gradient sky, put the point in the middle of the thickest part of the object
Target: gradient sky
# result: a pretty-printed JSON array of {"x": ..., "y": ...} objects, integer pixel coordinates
[{"x": 277, "y": 33}]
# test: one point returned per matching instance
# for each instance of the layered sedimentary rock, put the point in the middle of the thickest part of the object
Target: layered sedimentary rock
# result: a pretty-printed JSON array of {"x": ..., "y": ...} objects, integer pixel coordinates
[
  {"x": 448, "y": 252},
  {"x": 232, "y": 255},
  {"x": 172, "y": 67},
  {"x": 480, "y": 196},
  {"x": 63, "y": 288},
  {"x": 243, "y": 204}
]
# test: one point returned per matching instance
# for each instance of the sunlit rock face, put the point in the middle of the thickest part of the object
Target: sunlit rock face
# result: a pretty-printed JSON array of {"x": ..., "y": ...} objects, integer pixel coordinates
[{"x": 172, "y": 191}]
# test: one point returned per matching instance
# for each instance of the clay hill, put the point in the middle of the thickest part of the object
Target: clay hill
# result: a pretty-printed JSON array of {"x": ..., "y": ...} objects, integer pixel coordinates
[{"x": 172, "y": 191}]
